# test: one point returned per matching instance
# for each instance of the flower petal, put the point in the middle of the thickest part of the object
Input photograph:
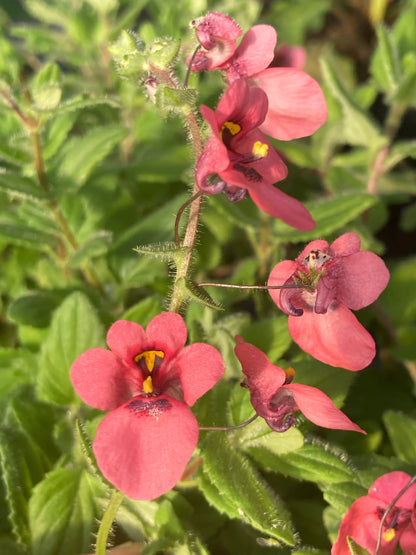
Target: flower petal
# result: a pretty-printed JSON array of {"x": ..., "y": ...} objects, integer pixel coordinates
[
  {"x": 279, "y": 276},
  {"x": 200, "y": 366},
  {"x": 336, "y": 338},
  {"x": 362, "y": 523},
  {"x": 297, "y": 106},
  {"x": 387, "y": 486},
  {"x": 126, "y": 339},
  {"x": 361, "y": 277},
  {"x": 408, "y": 540},
  {"x": 102, "y": 380},
  {"x": 319, "y": 408},
  {"x": 167, "y": 332},
  {"x": 242, "y": 104},
  {"x": 143, "y": 447},
  {"x": 348, "y": 243},
  {"x": 280, "y": 205},
  {"x": 254, "y": 53}
]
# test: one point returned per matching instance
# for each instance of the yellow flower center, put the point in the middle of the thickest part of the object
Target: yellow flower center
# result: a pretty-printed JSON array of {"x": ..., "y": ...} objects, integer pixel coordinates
[
  {"x": 260, "y": 149},
  {"x": 148, "y": 385},
  {"x": 230, "y": 127},
  {"x": 389, "y": 534},
  {"x": 149, "y": 358}
]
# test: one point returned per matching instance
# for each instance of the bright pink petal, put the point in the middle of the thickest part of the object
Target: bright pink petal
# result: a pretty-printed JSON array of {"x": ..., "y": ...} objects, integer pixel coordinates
[
  {"x": 261, "y": 373},
  {"x": 346, "y": 244},
  {"x": 408, "y": 540},
  {"x": 297, "y": 106},
  {"x": 279, "y": 276},
  {"x": 361, "y": 278},
  {"x": 167, "y": 332},
  {"x": 126, "y": 339},
  {"x": 336, "y": 338},
  {"x": 279, "y": 205},
  {"x": 319, "y": 408},
  {"x": 361, "y": 523},
  {"x": 143, "y": 447},
  {"x": 386, "y": 487},
  {"x": 214, "y": 159},
  {"x": 242, "y": 104},
  {"x": 255, "y": 52},
  {"x": 200, "y": 366},
  {"x": 102, "y": 380}
]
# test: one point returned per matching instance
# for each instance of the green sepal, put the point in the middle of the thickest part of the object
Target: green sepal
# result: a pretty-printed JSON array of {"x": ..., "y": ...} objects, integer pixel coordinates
[
  {"x": 128, "y": 54},
  {"x": 177, "y": 101},
  {"x": 46, "y": 90},
  {"x": 195, "y": 293},
  {"x": 166, "y": 251},
  {"x": 163, "y": 53},
  {"x": 355, "y": 548}
]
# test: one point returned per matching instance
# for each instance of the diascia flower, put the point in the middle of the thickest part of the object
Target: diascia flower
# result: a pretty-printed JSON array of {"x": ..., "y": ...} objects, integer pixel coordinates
[
  {"x": 243, "y": 158},
  {"x": 297, "y": 106},
  {"x": 147, "y": 380},
  {"x": 338, "y": 277},
  {"x": 275, "y": 398},
  {"x": 362, "y": 520}
]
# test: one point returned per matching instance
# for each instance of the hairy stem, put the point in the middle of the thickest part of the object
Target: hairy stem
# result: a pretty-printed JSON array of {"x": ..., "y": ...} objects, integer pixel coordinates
[{"x": 107, "y": 522}]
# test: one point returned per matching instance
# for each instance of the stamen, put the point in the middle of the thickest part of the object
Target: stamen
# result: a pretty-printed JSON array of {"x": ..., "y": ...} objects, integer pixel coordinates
[
  {"x": 290, "y": 374},
  {"x": 149, "y": 358},
  {"x": 317, "y": 258},
  {"x": 148, "y": 385},
  {"x": 389, "y": 534},
  {"x": 260, "y": 149}
]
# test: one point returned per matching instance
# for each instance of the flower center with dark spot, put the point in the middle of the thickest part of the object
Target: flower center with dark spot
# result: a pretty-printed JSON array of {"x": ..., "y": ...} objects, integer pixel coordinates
[{"x": 149, "y": 407}]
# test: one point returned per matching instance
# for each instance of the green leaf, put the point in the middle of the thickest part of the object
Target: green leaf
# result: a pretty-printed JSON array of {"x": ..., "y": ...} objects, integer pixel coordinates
[
  {"x": 56, "y": 131},
  {"x": 79, "y": 155},
  {"x": 35, "y": 308},
  {"x": 75, "y": 328},
  {"x": 359, "y": 129},
  {"x": 81, "y": 102},
  {"x": 45, "y": 88},
  {"x": 385, "y": 63},
  {"x": 144, "y": 311},
  {"x": 271, "y": 335},
  {"x": 163, "y": 53},
  {"x": 355, "y": 548},
  {"x": 342, "y": 495},
  {"x": 329, "y": 214},
  {"x": 402, "y": 433},
  {"x": 236, "y": 489},
  {"x": 21, "y": 187},
  {"x": 16, "y": 368},
  {"x": 21, "y": 467},
  {"x": 398, "y": 152},
  {"x": 17, "y": 233},
  {"x": 178, "y": 101},
  {"x": 97, "y": 244},
  {"x": 63, "y": 511},
  {"x": 12, "y": 153}
]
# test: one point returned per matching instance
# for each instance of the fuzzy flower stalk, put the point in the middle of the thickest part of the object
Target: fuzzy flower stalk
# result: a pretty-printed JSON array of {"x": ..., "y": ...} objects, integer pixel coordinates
[
  {"x": 147, "y": 380},
  {"x": 275, "y": 398},
  {"x": 337, "y": 278}
]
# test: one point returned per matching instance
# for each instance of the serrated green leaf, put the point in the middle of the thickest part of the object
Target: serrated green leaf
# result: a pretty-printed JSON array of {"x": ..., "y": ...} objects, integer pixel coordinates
[
  {"x": 21, "y": 467},
  {"x": 402, "y": 433},
  {"x": 179, "y": 101},
  {"x": 167, "y": 251},
  {"x": 359, "y": 129},
  {"x": 20, "y": 234},
  {"x": 75, "y": 328},
  {"x": 244, "y": 492},
  {"x": 385, "y": 63},
  {"x": 76, "y": 159},
  {"x": 21, "y": 187},
  {"x": 35, "y": 308},
  {"x": 63, "y": 512},
  {"x": 329, "y": 214}
]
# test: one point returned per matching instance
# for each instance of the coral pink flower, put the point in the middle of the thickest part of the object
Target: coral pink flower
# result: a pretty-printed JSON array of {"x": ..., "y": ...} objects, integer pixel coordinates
[
  {"x": 289, "y": 56},
  {"x": 217, "y": 34},
  {"x": 341, "y": 277},
  {"x": 243, "y": 158},
  {"x": 297, "y": 106},
  {"x": 362, "y": 520},
  {"x": 147, "y": 381},
  {"x": 275, "y": 398}
]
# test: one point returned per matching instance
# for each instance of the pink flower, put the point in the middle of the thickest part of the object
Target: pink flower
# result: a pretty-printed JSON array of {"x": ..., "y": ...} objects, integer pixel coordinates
[
  {"x": 275, "y": 398},
  {"x": 243, "y": 158},
  {"x": 217, "y": 34},
  {"x": 147, "y": 381},
  {"x": 363, "y": 518},
  {"x": 340, "y": 278},
  {"x": 289, "y": 56},
  {"x": 297, "y": 106}
]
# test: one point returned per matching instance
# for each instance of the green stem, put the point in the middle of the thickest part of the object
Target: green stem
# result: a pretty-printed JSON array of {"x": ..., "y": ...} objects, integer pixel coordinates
[{"x": 107, "y": 522}]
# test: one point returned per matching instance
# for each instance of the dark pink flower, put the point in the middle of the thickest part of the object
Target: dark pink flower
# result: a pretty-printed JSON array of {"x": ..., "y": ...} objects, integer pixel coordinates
[
  {"x": 243, "y": 158},
  {"x": 341, "y": 277},
  {"x": 217, "y": 34},
  {"x": 147, "y": 380},
  {"x": 289, "y": 56},
  {"x": 363, "y": 518},
  {"x": 296, "y": 103},
  {"x": 275, "y": 398}
]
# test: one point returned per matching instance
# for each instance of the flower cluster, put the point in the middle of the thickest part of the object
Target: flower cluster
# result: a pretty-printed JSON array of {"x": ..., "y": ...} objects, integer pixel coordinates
[
  {"x": 363, "y": 519},
  {"x": 283, "y": 102},
  {"x": 332, "y": 280}
]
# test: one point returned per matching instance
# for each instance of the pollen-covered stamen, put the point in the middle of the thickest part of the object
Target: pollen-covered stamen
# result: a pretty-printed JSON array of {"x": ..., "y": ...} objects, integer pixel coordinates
[
  {"x": 148, "y": 385},
  {"x": 389, "y": 534},
  {"x": 290, "y": 374},
  {"x": 148, "y": 361},
  {"x": 228, "y": 131},
  {"x": 260, "y": 149}
]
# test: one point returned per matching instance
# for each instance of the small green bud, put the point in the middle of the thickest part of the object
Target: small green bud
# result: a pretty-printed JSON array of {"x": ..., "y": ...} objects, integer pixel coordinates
[
  {"x": 128, "y": 54},
  {"x": 163, "y": 53}
]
